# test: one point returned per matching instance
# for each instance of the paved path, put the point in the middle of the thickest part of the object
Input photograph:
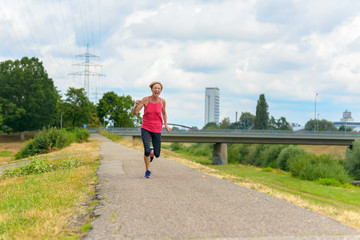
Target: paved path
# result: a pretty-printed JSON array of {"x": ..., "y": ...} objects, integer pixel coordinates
[{"x": 180, "y": 203}]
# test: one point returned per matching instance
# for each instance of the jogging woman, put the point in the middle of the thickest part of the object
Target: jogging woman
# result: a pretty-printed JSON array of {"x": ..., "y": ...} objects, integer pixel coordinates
[{"x": 153, "y": 119}]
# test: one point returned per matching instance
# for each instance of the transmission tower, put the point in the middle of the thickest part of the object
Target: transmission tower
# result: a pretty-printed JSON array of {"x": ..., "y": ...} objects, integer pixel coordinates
[{"x": 86, "y": 72}]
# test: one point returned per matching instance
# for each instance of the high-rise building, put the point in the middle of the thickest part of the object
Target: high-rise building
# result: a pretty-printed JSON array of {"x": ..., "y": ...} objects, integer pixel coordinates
[{"x": 212, "y": 102}]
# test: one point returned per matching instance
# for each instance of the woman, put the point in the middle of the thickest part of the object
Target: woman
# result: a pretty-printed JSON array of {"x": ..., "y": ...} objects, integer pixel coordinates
[{"x": 154, "y": 115}]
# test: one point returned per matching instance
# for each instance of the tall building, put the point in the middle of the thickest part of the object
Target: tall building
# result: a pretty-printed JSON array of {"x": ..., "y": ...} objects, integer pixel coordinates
[{"x": 212, "y": 102}]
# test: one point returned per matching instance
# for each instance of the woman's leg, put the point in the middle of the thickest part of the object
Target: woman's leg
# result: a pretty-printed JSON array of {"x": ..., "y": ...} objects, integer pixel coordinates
[
  {"x": 156, "y": 140},
  {"x": 145, "y": 135}
]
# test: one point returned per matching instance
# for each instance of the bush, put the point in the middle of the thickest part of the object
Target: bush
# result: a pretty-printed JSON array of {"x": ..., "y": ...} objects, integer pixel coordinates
[
  {"x": 234, "y": 155},
  {"x": 329, "y": 182},
  {"x": 297, "y": 163},
  {"x": 203, "y": 151},
  {"x": 269, "y": 155},
  {"x": 176, "y": 146},
  {"x": 252, "y": 158},
  {"x": 51, "y": 139},
  {"x": 352, "y": 160},
  {"x": 312, "y": 167},
  {"x": 82, "y": 135},
  {"x": 286, "y": 153}
]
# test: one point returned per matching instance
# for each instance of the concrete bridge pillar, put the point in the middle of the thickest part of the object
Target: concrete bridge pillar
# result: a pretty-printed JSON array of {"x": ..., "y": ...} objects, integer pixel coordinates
[{"x": 220, "y": 154}]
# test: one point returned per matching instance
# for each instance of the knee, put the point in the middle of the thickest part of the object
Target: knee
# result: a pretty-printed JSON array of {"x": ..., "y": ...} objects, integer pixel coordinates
[
  {"x": 157, "y": 154},
  {"x": 147, "y": 154}
]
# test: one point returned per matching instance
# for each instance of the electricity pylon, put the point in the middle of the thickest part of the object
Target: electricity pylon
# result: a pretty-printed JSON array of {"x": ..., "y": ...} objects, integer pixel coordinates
[{"x": 86, "y": 72}]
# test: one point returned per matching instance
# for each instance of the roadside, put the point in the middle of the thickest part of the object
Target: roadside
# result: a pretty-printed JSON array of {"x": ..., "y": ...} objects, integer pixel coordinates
[{"x": 51, "y": 205}]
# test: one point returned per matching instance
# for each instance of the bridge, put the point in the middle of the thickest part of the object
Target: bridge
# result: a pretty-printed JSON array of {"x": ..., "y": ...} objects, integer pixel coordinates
[{"x": 223, "y": 136}]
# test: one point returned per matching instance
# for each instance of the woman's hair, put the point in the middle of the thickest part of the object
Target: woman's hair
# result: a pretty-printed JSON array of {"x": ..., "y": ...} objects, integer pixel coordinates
[{"x": 153, "y": 83}]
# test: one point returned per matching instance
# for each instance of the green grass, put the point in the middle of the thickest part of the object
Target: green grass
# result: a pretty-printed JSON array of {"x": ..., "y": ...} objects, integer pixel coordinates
[
  {"x": 39, "y": 206},
  {"x": 112, "y": 136},
  {"x": 6, "y": 154}
]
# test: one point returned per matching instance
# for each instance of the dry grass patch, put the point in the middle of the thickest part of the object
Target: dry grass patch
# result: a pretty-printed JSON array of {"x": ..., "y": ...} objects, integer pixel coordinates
[
  {"x": 336, "y": 151},
  {"x": 44, "y": 206},
  {"x": 8, "y": 151}
]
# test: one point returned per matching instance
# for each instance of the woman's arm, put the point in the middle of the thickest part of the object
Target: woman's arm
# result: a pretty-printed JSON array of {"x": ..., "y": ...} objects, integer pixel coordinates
[
  {"x": 165, "y": 116},
  {"x": 139, "y": 105}
]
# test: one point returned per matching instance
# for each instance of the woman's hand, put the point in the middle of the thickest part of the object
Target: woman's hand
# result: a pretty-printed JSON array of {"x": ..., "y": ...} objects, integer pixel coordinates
[{"x": 167, "y": 128}]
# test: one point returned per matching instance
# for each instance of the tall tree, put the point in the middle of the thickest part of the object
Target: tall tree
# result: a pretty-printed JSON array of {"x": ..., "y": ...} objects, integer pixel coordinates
[
  {"x": 27, "y": 95},
  {"x": 1, "y": 120},
  {"x": 262, "y": 114},
  {"x": 247, "y": 119},
  {"x": 279, "y": 124},
  {"x": 76, "y": 108},
  {"x": 225, "y": 123},
  {"x": 118, "y": 109},
  {"x": 321, "y": 125},
  {"x": 211, "y": 125}
]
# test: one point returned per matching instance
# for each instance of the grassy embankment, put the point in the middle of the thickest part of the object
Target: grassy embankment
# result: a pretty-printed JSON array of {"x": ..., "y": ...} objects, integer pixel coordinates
[
  {"x": 51, "y": 205},
  {"x": 341, "y": 204}
]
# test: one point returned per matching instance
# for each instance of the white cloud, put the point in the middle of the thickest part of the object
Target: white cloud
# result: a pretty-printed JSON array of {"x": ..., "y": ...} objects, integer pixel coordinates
[{"x": 286, "y": 49}]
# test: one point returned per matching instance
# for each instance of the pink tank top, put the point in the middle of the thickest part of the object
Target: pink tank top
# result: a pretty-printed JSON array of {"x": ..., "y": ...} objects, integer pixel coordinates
[{"x": 152, "y": 118}]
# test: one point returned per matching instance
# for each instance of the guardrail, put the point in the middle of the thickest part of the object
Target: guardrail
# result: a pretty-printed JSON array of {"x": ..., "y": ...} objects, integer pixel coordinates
[{"x": 235, "y": 132}]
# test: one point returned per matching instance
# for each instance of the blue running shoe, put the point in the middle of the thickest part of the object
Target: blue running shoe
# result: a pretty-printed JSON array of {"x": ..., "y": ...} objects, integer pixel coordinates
[
  {"x": 151, "y": 154},
  {"x": 147, "y": 174}
]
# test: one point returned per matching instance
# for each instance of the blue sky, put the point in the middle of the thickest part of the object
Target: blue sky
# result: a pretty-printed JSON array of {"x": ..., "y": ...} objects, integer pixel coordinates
[{"x": 287, "y": 49}]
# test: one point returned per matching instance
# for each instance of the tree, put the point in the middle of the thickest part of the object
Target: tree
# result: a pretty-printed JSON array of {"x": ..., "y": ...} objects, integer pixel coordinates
[
  {"x": 225, "y": 123},
  {"x": 211, "y": 125},
  {"x": 76, "y": 108},
  {"x": 262, "y": 114},
  {"x": 118, "y": 109},
  {"x": 1, "y": 120},
  {"x": 279, "y": 124},
  {"x": 342, "y": 129},
  {"x": 321, "y": 125},
  {"x": 27, "y": 95},
  {"x": 247, "y": 119}
]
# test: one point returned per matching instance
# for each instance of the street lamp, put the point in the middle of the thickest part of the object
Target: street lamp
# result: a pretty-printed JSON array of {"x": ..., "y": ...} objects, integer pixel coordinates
[
  {"x": 61, "y": 121},
  {"x": 315, "y": 113}
]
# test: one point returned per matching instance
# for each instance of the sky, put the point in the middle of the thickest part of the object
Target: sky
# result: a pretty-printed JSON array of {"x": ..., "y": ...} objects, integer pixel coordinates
[{"x": 289, "y": 50}]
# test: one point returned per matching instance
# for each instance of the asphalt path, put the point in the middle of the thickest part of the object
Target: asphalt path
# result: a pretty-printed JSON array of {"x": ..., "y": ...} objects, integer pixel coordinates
[{"x": 181, "y": 203}]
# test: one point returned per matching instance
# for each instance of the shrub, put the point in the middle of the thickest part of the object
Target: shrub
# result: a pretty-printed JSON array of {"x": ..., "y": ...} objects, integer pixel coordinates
[
  {"x": 297, "y": 163},
  {"x": 82, "y": 135},
  {"x": 312, "y": 167},
  {"x": 329, "y": 182},
  {"x": 176, "y": 146},
  {"x": 352, "y": 160},
  {"x": 51, "y": 139},
  {"x": 286, "y": 153},
  {"x": 252, "y": 158},
  {"x": 234, "y": 155},
  {"x": 203, "y": 151},
  {"x": 269, "y": 155}
]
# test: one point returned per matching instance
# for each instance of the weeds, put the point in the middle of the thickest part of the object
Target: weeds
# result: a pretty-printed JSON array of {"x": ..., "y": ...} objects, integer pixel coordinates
[{"x": 39, "y": 165}]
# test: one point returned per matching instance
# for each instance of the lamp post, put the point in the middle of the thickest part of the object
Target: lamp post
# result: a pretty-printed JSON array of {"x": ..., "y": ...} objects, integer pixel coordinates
[
  {"x": 315, "y": 113},
  {"x": 61, "y": 121}
]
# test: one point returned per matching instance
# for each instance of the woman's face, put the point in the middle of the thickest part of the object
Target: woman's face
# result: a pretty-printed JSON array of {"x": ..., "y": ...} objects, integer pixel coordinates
[{"x": 156, "y": 90}]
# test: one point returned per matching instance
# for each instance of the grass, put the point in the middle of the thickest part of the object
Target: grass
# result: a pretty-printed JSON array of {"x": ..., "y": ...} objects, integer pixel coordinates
[
  {"x": 8, "y": 151},
  {"x": 339, "y": 203},
  {"x": 336, "y": 151},
  {"x": 51, "y": 205}
]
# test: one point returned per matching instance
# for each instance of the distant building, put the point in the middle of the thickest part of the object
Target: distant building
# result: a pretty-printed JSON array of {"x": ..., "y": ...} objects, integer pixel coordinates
[
  {"x": 347, "y": 121},
  {"x": 212, "y": 105}
]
